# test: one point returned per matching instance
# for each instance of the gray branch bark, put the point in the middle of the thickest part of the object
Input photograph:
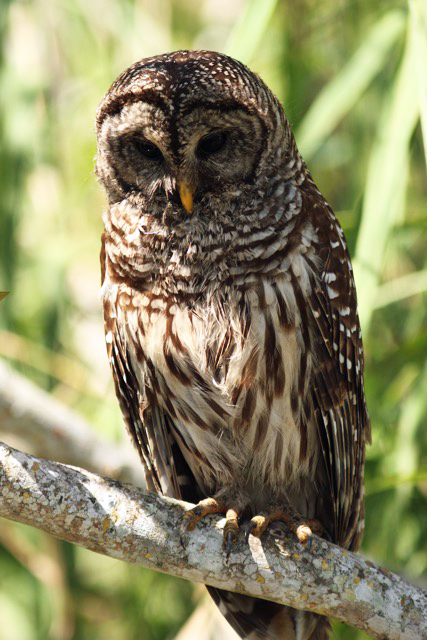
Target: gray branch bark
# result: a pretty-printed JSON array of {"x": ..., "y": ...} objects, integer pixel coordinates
[{"x": 123, "y": 522}]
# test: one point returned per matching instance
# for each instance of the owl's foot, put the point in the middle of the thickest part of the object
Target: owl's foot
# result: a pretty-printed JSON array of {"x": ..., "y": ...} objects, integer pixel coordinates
[
  {"x": 210, "y": 506},
  {"x": 302, "y": 527},
  {"x": 231, "y": 530},
  {"x": 203, "y": 508}
]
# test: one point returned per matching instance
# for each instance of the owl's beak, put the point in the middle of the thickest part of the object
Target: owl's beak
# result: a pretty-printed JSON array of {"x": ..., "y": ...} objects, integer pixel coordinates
[{"x": 186, "y": 194}]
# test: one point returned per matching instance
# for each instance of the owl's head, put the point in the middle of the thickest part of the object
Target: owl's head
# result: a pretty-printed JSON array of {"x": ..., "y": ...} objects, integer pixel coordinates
[{"x": 175, "y": 129}]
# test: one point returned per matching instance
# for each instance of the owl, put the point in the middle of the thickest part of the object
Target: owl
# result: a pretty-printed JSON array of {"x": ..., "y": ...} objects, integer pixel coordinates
[{"x": 230, "y": 313}]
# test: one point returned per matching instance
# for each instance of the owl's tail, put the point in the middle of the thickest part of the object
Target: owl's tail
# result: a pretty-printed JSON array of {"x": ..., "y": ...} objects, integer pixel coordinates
[{"x": 255, "y": 619}]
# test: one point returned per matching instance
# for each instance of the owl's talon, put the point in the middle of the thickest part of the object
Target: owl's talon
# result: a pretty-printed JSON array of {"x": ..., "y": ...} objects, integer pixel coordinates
[
  {"x": 231, "y": 530},
  {"x": 308, "y": 544},
  {"x": 229, "y": 540},
  {"x": 248, "y": 529}
]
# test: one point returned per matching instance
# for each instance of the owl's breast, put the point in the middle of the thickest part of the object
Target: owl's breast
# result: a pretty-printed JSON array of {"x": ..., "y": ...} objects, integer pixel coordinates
[
  {"x": 201, "y": 255},
  {"x": 232, "y": 375}
]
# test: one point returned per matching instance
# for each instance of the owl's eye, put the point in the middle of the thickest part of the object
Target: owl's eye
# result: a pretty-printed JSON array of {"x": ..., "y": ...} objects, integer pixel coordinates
[
  {"x": 148, "y": 149},
  {"x": 212, "y": 143}
]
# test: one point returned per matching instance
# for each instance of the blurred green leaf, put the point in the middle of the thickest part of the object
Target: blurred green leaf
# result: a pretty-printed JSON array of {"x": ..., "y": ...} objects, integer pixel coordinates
[
  {"x": 245, "y": 38},
  {"x": 385, "y": 483},
  {"x": 341, "y": 94},
  {"x": 386, "y": 182},
  {"x": 400, "y": 288},
  {"x": 418, "y": 9},
  {"x": 412, "y": 414}
]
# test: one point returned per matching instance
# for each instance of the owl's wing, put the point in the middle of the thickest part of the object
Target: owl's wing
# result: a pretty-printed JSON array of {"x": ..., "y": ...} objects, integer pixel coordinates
[
  {"x": 147, "y": 427},
  {"x": 337, "y": 392},
  {"x": 150, "y": 429}
]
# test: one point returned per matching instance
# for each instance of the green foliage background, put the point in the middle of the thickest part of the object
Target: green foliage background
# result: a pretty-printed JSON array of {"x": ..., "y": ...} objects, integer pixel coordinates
[{"x": 352, "y": 75}]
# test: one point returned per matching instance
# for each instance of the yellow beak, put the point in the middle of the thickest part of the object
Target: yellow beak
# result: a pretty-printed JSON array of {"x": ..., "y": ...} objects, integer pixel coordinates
[{"x": 186, "y": 195}]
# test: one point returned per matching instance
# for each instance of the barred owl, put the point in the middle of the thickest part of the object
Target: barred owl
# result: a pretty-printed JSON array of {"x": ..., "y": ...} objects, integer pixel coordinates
[{"x": 230, "y": 313}]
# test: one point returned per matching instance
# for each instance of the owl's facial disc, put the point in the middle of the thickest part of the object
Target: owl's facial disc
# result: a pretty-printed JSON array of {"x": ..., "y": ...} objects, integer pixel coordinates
[{"x": 175, "y": 156}]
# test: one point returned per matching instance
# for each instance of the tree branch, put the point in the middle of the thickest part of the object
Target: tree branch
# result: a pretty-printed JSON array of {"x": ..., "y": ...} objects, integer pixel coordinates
[{"x": 123, "y": 522}]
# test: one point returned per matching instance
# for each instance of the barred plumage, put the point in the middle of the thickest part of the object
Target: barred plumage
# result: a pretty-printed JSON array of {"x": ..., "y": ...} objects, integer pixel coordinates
[{"x": 230, "y": 310}]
